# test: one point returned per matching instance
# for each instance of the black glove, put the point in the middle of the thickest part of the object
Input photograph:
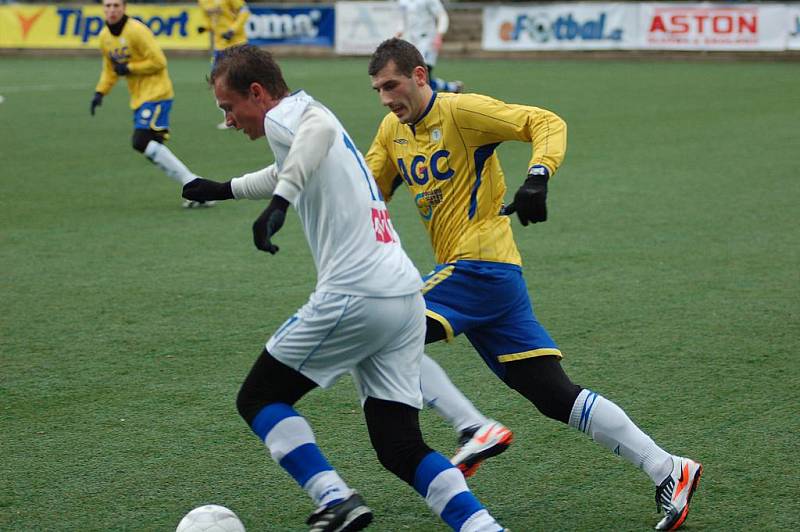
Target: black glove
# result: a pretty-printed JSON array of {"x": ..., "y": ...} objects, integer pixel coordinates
[
  {"x": 530, "y": 201},
  {"x": 228, "y": 35},
  {"x": 269, "y": 223},
  {"x": 201, "y": 29},
  {"x": 97, "y": 101},
  {"x": 121, "y": 69},
  {"x": 206, "y": 190}
]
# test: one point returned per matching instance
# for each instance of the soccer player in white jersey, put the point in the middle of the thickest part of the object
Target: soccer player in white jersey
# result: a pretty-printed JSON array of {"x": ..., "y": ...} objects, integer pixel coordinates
[
  {"x": 443, "y": 148},
  {"x": 423, "y": 23},
  {"x": 366, "y": 315}
]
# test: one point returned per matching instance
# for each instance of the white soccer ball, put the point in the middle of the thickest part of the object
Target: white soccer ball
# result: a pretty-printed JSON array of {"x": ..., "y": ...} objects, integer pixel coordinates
[{"x": 210, "y": 518}]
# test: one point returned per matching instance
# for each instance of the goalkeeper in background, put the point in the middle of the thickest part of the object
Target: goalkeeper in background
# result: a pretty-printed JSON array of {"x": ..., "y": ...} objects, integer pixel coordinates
[
  {"x": 130, "y": 51},
  {"x": 224, "y": 21},
  {"x": 442, "y": 146}
]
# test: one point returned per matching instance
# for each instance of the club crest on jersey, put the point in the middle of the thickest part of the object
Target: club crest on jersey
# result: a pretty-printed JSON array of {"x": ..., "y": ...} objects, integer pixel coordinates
[
  {"x": 436, "y": 135},
  {"x": 426, "y": 201},
  {"x": 119, "y": 55}
]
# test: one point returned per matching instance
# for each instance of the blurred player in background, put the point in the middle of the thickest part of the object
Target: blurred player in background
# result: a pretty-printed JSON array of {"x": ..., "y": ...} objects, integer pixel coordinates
[
  {"x": 225, "y": 22},
  {"x": 423, "y": 23},
  {"x": 442, "y": 146},
  {"x": 354, "y": 322},
  {"x": 130, "y": 50}
]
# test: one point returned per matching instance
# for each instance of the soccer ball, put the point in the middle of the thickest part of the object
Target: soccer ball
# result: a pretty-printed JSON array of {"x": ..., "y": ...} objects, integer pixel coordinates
[{"x": 210, "y": 518}]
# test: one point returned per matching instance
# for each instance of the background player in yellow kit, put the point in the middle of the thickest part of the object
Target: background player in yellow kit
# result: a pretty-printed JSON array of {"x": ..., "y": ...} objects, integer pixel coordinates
[
  {"x": 130, "y": 50},
  {"x": 225, "y": 20},
  {"x": 442, "y": 146}
]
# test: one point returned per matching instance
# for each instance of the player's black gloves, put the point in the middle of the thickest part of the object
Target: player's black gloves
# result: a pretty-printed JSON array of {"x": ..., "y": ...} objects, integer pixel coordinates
[
  {"x": 269, "y": 223},
  {"x": 97, "y": 101},
  {"x": 206, "y": 190},
  {"x": 530, "y": 201},
  {"x": 121, "y": 69},
  {"x": 228, "y": 35}
]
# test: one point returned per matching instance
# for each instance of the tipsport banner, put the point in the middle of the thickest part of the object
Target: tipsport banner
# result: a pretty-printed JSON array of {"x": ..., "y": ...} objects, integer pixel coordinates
[
  {"x": 56, "y": 26},
  {"x": 175, "y": 27},
  {"x": 707, "y": 26},
  {"x": 560, "y": 27}
]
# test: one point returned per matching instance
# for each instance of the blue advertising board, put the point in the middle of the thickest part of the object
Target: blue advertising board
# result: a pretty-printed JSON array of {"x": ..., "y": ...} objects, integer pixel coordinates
[{"x": 310, "y": 26}]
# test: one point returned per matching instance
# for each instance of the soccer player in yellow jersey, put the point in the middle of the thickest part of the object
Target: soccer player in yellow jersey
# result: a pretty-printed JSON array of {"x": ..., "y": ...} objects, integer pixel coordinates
[
  {"x": 225, "y": 20},
  {"x": 130, "y": 50},
  {"x": 442, "y": 146}
]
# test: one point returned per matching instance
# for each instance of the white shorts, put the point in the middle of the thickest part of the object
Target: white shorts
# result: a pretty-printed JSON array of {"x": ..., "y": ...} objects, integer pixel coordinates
[{"x": 380, "y": 340}]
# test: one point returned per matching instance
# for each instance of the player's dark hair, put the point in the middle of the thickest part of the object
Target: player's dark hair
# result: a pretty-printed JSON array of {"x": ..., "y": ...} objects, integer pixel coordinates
[
  {"x": 404, "y": 54},
  {"x": 246, "y": 64}
]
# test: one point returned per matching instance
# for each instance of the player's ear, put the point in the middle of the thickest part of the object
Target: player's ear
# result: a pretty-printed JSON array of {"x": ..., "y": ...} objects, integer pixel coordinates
[
  {"x": 259, "y": 92},
  {"x": 420, "y": 75}
]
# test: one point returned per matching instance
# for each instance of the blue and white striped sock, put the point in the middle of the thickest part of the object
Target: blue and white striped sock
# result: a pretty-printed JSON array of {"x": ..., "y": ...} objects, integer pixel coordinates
[
  {"x": 291, "y": 444},
  {"x": 611, "y": 427},
  {"x": 447, "y": 494},
  {"x": 438, "y": 84}
]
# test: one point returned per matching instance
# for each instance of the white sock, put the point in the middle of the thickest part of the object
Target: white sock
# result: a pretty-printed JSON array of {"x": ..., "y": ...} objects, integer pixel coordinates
[
  {"x": 168, "y": 162},
  {"x": 327, "y": 487},
  {"x": 481, "y": 522},
  {"x": 609, "y": 426},
  {"x": 441, "y": 394}
]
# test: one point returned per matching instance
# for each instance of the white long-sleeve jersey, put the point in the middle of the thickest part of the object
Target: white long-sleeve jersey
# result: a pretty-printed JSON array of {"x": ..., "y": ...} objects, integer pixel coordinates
[{"x": 322, "y": 174}]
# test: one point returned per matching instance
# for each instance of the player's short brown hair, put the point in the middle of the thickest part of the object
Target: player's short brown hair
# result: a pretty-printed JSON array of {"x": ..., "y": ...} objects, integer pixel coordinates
[
  {"x": 246, "y": 64},
  {"x": 404, "y": 54}
]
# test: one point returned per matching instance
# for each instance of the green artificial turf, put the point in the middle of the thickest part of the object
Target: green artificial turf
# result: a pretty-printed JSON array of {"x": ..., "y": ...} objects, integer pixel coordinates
[{"x": 668, "y": 272}]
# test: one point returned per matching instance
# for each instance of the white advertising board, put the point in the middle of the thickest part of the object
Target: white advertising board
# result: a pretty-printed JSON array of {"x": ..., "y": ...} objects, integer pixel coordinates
[
  {"x": 579, "y": 26},
  {"x": 362, "y": 26},
  {"x": 793, "y": 42},
  {"x": 706, "y": 26}
]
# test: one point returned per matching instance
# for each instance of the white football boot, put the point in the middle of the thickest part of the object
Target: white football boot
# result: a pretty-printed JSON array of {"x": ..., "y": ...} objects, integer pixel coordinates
[
  {"x": 674, "y": 494},
  {"x": 478, "y": 444}
]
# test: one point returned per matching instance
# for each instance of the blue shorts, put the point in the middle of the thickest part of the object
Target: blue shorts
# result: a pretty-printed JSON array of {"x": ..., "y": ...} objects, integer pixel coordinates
[
  {"x": 487, "y": 301},
  {"x": 152, "y": 115}
]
